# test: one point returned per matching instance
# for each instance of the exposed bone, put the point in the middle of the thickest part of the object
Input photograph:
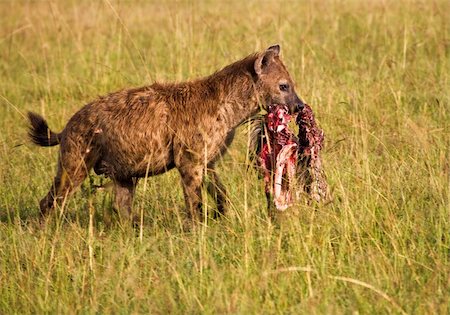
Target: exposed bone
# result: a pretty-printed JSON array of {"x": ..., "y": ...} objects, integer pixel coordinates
[{"x": 284, "y": 165}]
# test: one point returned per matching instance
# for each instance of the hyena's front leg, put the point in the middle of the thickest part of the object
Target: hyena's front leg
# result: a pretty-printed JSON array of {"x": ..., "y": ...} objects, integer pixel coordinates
[
  {"x": 218, "y": 191},
  {"x": 192, "y": 178}
]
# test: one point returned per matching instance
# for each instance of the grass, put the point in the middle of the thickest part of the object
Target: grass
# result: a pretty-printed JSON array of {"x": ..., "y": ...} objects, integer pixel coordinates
[{"x": 377, "y": 75}]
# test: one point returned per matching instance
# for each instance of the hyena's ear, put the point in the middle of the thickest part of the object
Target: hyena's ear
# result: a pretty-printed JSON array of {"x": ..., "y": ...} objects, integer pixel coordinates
[
  {"x": 275, "y": 48},
  {"x": 265, "y": 58}
]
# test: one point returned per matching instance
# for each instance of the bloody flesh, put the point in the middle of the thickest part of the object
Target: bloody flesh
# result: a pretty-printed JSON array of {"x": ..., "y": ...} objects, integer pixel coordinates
[
  {"x": 278, "y": 157},
  {"x": 286, "y": 160},
  {"x": 310, "y": 138}
]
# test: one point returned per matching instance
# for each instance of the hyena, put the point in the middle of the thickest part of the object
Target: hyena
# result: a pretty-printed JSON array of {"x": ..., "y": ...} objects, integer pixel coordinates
[{"x": 146, "y": 131}]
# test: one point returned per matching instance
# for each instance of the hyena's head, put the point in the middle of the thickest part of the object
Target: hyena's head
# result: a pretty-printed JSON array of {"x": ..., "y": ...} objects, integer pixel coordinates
[{"x": 274, "y": 84}]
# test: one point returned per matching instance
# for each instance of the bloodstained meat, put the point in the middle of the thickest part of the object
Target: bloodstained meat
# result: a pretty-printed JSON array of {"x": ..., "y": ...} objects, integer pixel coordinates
[{"x": 290, "y": 163}]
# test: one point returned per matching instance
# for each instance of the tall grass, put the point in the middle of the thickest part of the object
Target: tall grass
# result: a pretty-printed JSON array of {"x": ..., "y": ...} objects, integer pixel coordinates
[{"x": 375, "y": 72}]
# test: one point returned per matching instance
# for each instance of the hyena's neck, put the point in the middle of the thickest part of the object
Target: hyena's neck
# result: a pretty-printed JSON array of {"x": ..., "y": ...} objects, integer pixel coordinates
[
  {"x": 239, "y": 101},
  {"x": 237, "y": 97}
]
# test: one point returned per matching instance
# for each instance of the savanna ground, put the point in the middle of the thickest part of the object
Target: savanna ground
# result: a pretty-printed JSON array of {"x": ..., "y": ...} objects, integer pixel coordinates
[{"x": 375, "y": 72}]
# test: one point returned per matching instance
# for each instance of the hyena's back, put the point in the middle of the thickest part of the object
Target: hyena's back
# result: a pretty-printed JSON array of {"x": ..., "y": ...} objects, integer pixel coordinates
[{"x": 125, "y": 134}]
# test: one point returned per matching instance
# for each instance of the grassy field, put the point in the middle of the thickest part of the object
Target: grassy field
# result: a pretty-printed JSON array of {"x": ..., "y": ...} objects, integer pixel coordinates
[{"x": 377, "y": 74}]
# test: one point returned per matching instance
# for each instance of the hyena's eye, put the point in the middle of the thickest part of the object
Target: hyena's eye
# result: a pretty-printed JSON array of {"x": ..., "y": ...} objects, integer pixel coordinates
[{"x": 284, "y": 87}]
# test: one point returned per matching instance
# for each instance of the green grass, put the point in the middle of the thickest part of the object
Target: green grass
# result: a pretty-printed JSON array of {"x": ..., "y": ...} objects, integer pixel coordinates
[{"x": 375, "y": 72}]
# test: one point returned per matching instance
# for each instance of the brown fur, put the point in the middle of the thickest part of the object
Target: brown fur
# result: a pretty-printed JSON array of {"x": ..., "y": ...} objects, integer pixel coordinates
[{"x": 133, "y": 133}]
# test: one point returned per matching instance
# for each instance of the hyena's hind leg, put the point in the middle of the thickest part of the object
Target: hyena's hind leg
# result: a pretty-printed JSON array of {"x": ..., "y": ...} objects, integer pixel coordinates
[
  {"x": 72, "y": 170},
  {"x": 123, "y": 198}
]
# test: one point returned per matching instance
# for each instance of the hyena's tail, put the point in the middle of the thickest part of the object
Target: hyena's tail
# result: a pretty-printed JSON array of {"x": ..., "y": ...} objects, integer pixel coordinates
[{"x": 39, "y": 132}]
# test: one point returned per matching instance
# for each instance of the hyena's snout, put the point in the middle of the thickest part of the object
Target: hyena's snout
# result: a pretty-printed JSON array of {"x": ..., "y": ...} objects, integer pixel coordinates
[{"x": 295, "y": 104}]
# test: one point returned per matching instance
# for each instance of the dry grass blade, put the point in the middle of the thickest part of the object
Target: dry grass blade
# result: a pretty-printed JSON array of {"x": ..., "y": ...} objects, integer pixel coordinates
[{"x": 371, "y": 287}]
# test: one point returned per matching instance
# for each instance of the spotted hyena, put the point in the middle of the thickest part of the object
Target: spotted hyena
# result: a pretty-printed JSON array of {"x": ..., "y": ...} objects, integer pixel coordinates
[{"x": 146, "y": 131}]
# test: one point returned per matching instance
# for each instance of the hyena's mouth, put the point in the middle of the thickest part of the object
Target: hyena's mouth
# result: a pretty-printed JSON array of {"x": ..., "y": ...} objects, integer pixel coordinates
[{"x": 286, "y": 160}]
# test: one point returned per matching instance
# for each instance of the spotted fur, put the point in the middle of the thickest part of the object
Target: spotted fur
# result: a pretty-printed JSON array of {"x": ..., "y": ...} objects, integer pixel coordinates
[{"x": 149, "y": 130}]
